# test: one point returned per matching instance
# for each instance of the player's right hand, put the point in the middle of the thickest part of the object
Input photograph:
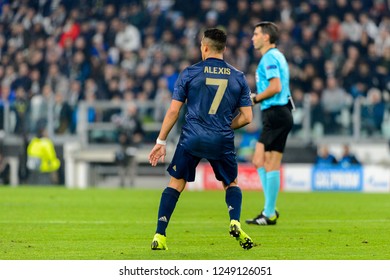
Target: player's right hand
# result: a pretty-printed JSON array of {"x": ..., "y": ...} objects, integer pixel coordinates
[{"x": 158, "y": 151}]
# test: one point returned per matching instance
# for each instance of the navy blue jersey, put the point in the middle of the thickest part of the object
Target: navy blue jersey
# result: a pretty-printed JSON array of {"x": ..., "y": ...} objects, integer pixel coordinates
[{"x": 214, "y": 90}]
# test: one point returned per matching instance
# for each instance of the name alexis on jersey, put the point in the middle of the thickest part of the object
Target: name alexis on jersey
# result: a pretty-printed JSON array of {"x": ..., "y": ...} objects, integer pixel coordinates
[{"x": 216, "y": 70}]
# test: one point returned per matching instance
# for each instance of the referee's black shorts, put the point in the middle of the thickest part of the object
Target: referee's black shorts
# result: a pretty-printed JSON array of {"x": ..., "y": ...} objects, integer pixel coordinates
[{"x": 277, "y": 123}]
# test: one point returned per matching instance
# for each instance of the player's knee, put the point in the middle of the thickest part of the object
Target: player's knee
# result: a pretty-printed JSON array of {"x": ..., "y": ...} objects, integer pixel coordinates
[
  {"x": 177, "y": 184},
  {"x": 232, "y": 184}
]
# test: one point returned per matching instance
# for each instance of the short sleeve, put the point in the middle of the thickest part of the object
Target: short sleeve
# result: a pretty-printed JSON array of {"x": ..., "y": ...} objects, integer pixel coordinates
[
  {"x": 245, "y": 99},
  {"x": 180, "y": 89},
  {"x": 271, "y": 67}
]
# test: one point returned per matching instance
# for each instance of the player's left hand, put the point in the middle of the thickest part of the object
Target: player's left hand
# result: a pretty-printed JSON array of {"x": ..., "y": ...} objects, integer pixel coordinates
[{"x": 158, "y": 151}]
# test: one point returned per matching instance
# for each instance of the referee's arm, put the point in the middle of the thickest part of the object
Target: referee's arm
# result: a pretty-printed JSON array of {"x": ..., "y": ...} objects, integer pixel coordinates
[{"x": 274, "y": 87}]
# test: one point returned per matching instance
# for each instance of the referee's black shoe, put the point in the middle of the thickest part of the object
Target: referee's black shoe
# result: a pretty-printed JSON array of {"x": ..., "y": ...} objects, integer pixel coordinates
[{"x": 262, "y": 220}]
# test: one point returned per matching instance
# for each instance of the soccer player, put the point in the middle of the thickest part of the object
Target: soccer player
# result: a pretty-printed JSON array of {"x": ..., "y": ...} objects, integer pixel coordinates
[
  {"x": 214, "y": 92},
  {"x": 273, "y": 92}
]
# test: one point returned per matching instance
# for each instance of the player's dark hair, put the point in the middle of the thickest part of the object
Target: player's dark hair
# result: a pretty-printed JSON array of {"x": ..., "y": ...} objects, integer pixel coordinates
[
  {"x": 217, "y": 38},
  {"x": 271, "y": 29}
]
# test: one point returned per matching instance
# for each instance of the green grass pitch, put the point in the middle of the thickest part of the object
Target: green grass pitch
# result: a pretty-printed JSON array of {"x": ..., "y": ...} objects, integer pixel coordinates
[{"x": 54, "y": 223}]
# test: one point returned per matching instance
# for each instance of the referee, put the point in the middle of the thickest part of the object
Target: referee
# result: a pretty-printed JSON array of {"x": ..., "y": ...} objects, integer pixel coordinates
[{"x": 273, "y": 93}]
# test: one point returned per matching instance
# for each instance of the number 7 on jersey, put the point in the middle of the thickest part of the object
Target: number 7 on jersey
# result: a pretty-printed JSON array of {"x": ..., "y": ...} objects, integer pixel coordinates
[{"x": 222, "y": 85}]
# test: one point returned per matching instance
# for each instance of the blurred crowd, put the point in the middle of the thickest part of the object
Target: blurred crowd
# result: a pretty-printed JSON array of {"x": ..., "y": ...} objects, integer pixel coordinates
[{"x": 67, "y": 51}]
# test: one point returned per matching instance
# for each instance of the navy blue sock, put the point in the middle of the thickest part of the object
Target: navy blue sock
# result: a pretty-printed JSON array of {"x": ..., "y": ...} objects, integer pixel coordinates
[
  {"x": 168, "y": 201},
  {"x": 233, "y": 198}
]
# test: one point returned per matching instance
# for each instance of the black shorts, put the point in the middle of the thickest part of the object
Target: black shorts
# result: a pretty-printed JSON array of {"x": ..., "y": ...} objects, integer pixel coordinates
[
  {"x": 277, "y": 123},
  {"x": 183, "y": 166}
]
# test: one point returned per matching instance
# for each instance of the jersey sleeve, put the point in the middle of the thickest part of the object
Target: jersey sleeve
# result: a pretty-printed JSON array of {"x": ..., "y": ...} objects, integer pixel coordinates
[
  {"x": 179, "y": 91},
  {"x": 245, "y": 99},
  {"x": 271, "y": 66}
]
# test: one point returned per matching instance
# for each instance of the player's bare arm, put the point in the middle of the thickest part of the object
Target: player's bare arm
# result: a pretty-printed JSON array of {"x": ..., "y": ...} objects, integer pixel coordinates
[
  {"x": 159, "y": 150},
  {"x": 243, "y": 118}
]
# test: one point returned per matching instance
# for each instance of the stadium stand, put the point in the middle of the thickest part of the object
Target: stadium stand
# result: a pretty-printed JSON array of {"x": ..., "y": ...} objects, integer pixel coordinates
[{"x": 60, "y": 56}]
